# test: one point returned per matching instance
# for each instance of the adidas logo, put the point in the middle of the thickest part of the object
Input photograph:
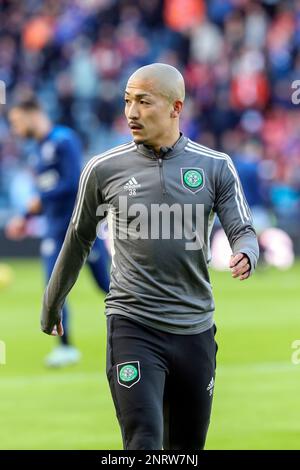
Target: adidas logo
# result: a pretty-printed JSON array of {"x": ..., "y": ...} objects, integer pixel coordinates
[
  {"x": 210, "y": 387},
  {"x": 131, "y": 186}
]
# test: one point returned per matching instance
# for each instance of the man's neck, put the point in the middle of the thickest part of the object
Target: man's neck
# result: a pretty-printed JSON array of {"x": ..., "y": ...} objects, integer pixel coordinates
[
  {"x": 168, "y": 143},
  {"x": 43, "y": 129}
]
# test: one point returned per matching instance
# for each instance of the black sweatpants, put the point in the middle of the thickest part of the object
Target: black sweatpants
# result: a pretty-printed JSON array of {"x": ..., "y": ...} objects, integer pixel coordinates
[{"x": 161, "y": 384}]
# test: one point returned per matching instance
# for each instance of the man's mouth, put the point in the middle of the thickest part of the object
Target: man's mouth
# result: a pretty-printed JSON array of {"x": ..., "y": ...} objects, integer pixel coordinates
[{"x": 135, "y": 126}]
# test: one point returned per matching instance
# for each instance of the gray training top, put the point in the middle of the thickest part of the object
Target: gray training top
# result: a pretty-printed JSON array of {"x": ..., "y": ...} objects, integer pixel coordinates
[{"x": 162, "y": 212}]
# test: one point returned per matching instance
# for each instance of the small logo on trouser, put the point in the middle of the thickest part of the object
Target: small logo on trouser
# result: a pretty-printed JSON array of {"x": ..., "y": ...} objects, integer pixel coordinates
[
  {"x": 210, "y": 387},
  {"x": 128, "y": 373}
]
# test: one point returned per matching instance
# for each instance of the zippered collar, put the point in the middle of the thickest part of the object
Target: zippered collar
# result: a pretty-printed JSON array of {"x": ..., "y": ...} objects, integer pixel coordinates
[{"x": 165, "y": 152}]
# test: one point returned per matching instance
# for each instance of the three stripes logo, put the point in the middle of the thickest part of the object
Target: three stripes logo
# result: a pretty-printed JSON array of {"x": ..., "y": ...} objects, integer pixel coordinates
[
  {"x": 88, "y": 171},
  {"x": 241, "y": 203},
  {"x": 131, "y": 186},
  {"x": 210, "y": 387}
]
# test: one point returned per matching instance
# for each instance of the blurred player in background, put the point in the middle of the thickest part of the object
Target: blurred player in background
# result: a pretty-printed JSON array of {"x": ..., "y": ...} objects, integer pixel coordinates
[{"x": 57, "y": 169}]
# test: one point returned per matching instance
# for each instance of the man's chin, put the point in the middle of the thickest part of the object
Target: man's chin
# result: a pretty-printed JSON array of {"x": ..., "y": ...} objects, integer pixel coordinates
[
  {"x": 138, "y": 140},
  {"x": 28, "y": 134}
]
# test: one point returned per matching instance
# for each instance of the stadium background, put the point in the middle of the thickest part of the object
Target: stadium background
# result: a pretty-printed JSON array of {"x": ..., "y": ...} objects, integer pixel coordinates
[{"x": 239, "y": 59}]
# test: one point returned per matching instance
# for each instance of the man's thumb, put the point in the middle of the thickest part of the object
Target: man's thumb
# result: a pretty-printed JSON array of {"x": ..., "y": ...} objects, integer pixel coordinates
[{"x": 60, "y": 329}]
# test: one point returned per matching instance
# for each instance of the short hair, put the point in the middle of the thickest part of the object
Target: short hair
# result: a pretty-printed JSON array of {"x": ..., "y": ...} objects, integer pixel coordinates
[{"x": 27, "y": 104}]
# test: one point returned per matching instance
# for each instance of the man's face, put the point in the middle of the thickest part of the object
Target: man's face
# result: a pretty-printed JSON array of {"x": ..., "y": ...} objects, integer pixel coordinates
[
  {"x": 147, "y": 111},
  {"x": 20, "y": 122}
]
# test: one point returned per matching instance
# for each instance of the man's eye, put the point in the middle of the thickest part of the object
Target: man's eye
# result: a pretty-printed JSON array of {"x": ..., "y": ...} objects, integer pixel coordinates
[
  {"x": 144, "y": 102},
  {"x": 126, "y": 101}
]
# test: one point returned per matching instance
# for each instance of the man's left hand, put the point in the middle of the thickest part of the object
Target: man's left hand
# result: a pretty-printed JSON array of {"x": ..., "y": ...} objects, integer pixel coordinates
[{"x": 240, "y": 266}]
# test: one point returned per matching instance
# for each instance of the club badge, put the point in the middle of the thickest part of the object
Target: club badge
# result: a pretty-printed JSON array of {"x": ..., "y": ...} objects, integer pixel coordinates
[
  {"x": 129, "y": 373},
  {"x": 192, "y": 179}
]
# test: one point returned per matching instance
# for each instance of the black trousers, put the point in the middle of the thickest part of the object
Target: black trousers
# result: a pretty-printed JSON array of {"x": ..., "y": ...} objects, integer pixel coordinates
[{"x": 161, "y": 384}]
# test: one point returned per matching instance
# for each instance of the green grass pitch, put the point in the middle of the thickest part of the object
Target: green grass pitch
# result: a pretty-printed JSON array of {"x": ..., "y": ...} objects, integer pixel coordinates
[{"x": 256, "y": 401}]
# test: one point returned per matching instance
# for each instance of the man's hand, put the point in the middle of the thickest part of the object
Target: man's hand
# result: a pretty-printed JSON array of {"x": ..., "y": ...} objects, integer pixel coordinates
[
  {"x": 34, "y": 206},
  {"x": 16, "y": 228},
  {"x": 240, "y": 266},
  {"x": 58, "y": 330}
]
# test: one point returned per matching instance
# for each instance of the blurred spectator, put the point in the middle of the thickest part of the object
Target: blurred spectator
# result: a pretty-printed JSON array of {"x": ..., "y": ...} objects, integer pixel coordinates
[{"x": 238, "y": 57}]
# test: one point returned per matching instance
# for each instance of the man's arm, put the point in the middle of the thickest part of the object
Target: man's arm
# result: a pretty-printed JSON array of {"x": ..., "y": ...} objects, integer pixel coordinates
[
  {"x": 234, "y": 214},
  {"x": 79, "y": 239}
]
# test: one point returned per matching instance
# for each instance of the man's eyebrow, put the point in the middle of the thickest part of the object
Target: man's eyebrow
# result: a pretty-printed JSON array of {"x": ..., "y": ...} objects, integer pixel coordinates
[{"x": 138, "y": 95}]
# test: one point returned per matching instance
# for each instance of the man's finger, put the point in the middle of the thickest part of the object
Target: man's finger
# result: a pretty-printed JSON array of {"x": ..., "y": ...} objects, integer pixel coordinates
[
  {"x": 245, "y": 276},
  {"x": 241, "y": 268},
  {"x": 235, "y": 259},
  {"x": 238, "y": 271},
  {"x": 54, "y": 331},
  {"x": 242, "y": 271},
  {"x": 60, "y": 329}
]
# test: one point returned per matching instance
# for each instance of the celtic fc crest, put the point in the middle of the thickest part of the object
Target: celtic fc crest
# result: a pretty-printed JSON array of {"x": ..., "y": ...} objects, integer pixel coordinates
[
  {"x": 192, "y": 179},
  {"x": 128, "y": 373}
]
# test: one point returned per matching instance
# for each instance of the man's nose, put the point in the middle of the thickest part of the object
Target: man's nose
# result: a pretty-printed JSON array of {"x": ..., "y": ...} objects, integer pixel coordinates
[{"x": 133, "y": 112}]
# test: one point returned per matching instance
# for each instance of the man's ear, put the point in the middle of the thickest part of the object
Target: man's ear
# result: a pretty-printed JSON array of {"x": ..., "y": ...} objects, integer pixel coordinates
[{"x": 177, "y": 107}]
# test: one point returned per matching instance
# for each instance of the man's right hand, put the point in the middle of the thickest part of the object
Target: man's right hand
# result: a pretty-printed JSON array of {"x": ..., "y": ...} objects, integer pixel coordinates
[
  {"x": 58, "y": 330},
  {"x": 16, "y": 228}
]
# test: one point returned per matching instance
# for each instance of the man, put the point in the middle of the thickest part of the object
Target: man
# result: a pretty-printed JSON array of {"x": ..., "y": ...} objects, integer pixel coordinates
[
  {"x": 161, "y": 349},
  {"x": 57, "y": 168}
]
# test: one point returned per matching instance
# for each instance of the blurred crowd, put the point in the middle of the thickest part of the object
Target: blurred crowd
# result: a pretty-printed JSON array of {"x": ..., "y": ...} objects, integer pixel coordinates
[{"x": 239, "y": 59}]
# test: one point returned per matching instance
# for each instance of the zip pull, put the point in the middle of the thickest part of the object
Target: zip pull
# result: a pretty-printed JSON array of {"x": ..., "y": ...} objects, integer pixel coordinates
[{"x": 161, "y": 175}]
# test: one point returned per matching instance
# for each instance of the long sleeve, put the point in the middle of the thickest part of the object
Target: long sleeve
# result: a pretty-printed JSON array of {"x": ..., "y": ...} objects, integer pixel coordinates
[
  {"x": 234, "y": 214},
  {"x": 79, "y": 239}
]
